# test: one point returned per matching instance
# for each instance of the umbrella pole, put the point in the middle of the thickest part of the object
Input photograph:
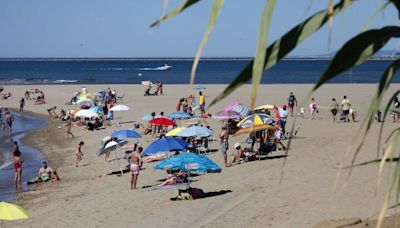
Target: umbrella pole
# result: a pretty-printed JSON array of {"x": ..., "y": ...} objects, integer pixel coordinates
[{"x": 119, "y": 164}]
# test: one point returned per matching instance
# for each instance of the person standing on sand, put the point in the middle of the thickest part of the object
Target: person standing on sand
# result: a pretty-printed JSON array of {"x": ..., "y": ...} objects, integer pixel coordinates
[
  {"x": 9, "y": 121},
  {"x": 21, "y": 104},
  {"x": 334, "y": 109},
  {"x": 224, "y": 137},
  {"x": 135, "y": 163},
  {"x": 291, "y": 102},
  {"x": 68, "y": 127},
  {"x": 346, "y": 108},
  {"x": 202, "y": 103},
  {"x": 17, "y": 170},
  {"x": 79, "y": 153},
  {"x": 313, "y": 108}
]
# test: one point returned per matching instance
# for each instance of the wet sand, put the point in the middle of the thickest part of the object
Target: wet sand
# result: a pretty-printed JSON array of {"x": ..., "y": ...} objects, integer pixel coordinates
[{"x": 248, "y": 194}]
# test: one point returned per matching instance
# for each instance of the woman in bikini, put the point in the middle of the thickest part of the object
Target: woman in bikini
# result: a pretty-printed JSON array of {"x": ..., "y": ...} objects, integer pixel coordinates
[
  {"x": 69, "y": 126},
  {"x": 17, "y": 170}
]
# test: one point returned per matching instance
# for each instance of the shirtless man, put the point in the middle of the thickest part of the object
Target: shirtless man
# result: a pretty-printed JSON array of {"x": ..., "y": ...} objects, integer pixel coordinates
[
  {"x": 9, "y": 121},
  {"x": 69, "y": 126},
  {"x": 136, "y": 162},
  {"x": 223, "y": 137}
]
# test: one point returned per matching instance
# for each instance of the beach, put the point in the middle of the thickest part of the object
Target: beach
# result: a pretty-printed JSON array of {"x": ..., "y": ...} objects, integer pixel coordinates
[{"x": 271, "y": 192}]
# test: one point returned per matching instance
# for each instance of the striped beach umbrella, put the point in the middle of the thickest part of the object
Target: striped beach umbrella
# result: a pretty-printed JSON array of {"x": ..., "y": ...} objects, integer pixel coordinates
[
  {"x": 238, "y": 107},
  {"x": 256, "y": 119}
]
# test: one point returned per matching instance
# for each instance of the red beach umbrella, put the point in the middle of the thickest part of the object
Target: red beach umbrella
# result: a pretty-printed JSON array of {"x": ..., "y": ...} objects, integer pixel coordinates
[{"x": 162, "y": 122}]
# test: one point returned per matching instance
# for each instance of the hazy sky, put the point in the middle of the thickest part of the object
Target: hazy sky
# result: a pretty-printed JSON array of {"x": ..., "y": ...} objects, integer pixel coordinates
[{"x": 120, "y": 28}]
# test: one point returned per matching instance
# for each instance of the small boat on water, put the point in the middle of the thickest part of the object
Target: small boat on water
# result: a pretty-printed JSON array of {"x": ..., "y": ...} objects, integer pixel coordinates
[{"x": 165, "y": 67}]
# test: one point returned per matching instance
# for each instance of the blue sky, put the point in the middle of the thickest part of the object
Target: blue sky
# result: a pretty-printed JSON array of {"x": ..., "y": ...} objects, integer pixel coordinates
[{"x": 120, "y": 28}]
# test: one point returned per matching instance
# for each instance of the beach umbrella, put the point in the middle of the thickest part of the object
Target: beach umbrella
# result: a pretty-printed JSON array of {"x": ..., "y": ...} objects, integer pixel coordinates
[
  {"x": 238, "y": 107},
  {"x": 174, "y": 131},
  {"x": 127, "y": 133},
  {"x": 96, "y": 109},
  {"x": 226, "y": 115},
  {"x": 11, "y": 211},
  {"x": 161, "y": 121},
  {"x": 120, "y": 108},
  {"x": 148, "y": 117},
  {"x": 86, "y": 113},
  {"x": 189, "y": 162},
  {"x": 266, "y": 107},
  {"x": 199, "y": 87},
  {"x": 252, "y": 129},
  {"x": 112, "y": 146},
  {"x": 179, "y": 115},
  {"x": 195, "y": 131},
  {"x": 164, "y": 145},
  {"x": 256, "y": 119},
  {"x": 88, "y": 103},
  {"x": 194, "y": 121}
]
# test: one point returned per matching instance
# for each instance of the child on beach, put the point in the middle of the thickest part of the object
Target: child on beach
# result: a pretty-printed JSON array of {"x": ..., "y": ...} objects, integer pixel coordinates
[
  {"x": 79, "y": 153},
  {"x": 68, "y": 126},
  {"x": 313, "y": 108}
]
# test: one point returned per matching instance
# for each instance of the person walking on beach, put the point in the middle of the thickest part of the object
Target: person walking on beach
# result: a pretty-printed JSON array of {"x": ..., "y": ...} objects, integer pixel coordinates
[
  {"x": 313, "y": 108},
  {"x": 135, "y": 163},
  {"x": 79, "y": 153},
  {"x": 334, "y": 109},
  {"x": 17, "y": 170},
  {"x": 21, "y": 104},
  {"x": 291, "y": 102},
  {"x": 396, "y": 111},
  {"x": 224, "y": 137},
  {"x": 346, "y": 108},
  {"x": 9, "y": 121},
  {"x": 202, "y": 103},
  {"x": 68, "y": 127}
]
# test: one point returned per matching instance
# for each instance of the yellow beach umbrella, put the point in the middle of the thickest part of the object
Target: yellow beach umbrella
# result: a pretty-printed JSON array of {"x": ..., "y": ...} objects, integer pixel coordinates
[
  {"x": 266, "y": 107},
  {"x": 175, "y": 131},
  {"x": 10, "y": 211},
  {"x": 252, "y": 129}
]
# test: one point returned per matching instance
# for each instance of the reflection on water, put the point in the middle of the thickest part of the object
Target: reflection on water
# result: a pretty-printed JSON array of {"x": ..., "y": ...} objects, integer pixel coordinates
[{"x": 32, "y": 158}]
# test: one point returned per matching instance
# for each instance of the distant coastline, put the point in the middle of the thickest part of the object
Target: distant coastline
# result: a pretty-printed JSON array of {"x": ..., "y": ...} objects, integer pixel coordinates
[{"x": 311, "y": 58}]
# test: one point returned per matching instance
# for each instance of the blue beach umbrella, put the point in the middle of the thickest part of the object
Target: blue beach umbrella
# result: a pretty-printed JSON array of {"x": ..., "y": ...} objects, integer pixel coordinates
[
  {"x": 96, "y": 109},
  {"x": 148, "y": 117},
  {"x": 199, "y": 87},
  {"x": 179, "y": 115},
  {"x": 195, "y": 131},
  {"x": 189, "y": 162},
  {"x": 127, "y": 133},
  {"x": 165, "y": 145}
]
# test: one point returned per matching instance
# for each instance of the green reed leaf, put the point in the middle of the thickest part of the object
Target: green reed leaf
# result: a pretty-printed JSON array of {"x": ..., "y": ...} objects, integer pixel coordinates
[
  {"x": 357, "y": 50},
  {"x": 281, "y": 47},
  {"x": 211, "y": 22},
  {"x": 258, "y": 64},
  {"x": 174, "y": 12}
]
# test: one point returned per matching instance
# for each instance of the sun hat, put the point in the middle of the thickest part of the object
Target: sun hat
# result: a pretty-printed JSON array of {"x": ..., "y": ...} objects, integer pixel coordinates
[{"x": 237, "y": 145}]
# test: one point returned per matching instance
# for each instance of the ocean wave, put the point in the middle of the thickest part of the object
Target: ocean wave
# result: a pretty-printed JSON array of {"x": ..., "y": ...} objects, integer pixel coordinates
[
  {"x": 64, "y": 81},
  {"x": 111, "y": 69}
]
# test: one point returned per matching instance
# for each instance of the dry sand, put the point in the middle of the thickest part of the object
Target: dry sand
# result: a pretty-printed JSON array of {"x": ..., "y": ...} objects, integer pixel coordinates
[{"x": 248, "y": 194}]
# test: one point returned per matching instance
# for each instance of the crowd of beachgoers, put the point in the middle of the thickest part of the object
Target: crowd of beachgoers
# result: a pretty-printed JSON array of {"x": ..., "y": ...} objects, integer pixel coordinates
[{"x": 172, "y": 135}]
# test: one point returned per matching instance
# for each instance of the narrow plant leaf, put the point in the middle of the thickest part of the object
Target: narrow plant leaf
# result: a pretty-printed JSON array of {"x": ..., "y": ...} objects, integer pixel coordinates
[
  {"x": 211, "y": 22},
  {"x": 330, "y": 13},
  {"x": 281, "y": 47},
  {"x": 357, "y": 50},
  {"x": 395, "y": 178},
  {"x": 258, "y": 65},
  {"x": 381, "y": 9},
  {"x": 396, "y": 3},
  {"x": 174, "y": 12},
  {"x": 372, "y": 162}
]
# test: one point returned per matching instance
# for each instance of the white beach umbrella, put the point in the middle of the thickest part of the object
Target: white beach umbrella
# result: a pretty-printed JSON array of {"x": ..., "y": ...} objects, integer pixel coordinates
[
  {"x": 86, "y": 113},
  {"x": 120, "y": 108}
]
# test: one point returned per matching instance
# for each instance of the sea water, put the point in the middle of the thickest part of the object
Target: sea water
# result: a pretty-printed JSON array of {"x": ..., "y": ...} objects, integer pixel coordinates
[
  {"x": 215, "y": 71},
  {"x": 32, "y": 158}
]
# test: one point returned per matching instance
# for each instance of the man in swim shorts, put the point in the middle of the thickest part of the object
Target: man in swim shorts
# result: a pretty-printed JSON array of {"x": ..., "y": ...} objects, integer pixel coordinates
[{"x": 135, "y": 163}]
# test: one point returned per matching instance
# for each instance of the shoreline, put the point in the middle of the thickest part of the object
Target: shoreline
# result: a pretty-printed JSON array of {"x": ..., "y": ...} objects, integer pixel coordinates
[{"x": 85, "y": 197}]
